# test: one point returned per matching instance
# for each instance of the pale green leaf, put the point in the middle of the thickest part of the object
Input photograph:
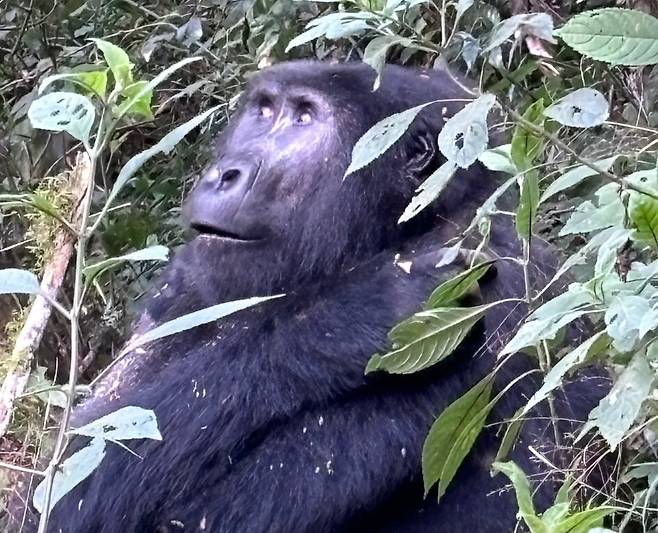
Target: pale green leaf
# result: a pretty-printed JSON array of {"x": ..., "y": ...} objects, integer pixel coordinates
[
  {"x": 628, "y": 319},
  {"x": 429, "y": 190},
  {"x": 465, "y": 135},
  {"x": 616, "y": 413},
  {"x": 130, "y": 422},
  {"x": 196, "y": 318},
  {"x": 140, "y": 106},
  {"x": 498, "y": 159},
  {"x": 455, "y": 429},
  {"x": 523, "y": 495},
  {"x": 118, "y": 61},
  {"x": 96, "y": 80},
  {"x": 582, "y": 108},
  {"x": 152, "y": 253},
  {"x": 526, "y": 144},
  {"x": 18, "y": 281},
  {"x": 73, "y": 470},
  {"x": 63, "y": 111},
  {"x": 536, "y": 24},
  {"x": 643, "y": 212},
  {"x": 574, "y": 176},
  {"x": 376, "y": 50},
  {"x": 381, "y": 137},
  {"x": 616, "y": 36}
]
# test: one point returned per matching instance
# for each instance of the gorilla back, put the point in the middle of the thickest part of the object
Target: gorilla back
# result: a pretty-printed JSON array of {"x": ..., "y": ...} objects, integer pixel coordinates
[{"x": 268, "y": 421}]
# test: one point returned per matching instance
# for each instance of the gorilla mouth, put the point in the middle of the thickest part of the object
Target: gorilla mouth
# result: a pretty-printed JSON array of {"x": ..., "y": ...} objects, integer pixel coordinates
[{"x": 219, "y": 233}]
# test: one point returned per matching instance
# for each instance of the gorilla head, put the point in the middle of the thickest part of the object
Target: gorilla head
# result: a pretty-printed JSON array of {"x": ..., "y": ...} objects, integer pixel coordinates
[{"x": 276, "y": 189}]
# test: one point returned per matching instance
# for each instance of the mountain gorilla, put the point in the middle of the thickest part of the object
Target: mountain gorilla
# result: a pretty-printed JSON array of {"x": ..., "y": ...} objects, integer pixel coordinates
[{"x": 268, "y": 420}]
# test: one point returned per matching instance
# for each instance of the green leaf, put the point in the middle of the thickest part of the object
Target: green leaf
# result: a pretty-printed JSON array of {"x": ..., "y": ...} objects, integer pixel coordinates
[
  {"x": 585, "y": 521},
  {"x": 526, "y": 213},
  {"x": 63, "y": 111},
  {"x": 628, "y": 319},
  {"x": 44, "y": 389},
  {"x": 73, "y": 470},
  {"x": 376, "y": 50},
  {"x": 591, "y": 347},
  {"x": 526, "y": 145},
  {"x": 643, "y": 212},
  {"x": 499, "y": 159},
  {"x": 196, "y": 318},
  {"x": 152, "y": 253},
  {"x": 165, "y": 146},
  {"x": 118, "y": 61},
  {"x": 426, "y": 338},
  {"x": 452, "y": 290},
  {"x": 127, "y": 423},
  {"x": 616, "y": 36},
  {"x": 582, "y": 108},
  {"x": 96, "y": 80},
  {"x": 381, "y": 137},
  {"x": 610, "y": 212},
  {"x": 616, "y": 413},
  {"x": 18, "y": 281},
  {"x": 523, "y": 495},
  {"x": 137, "y": 100},
  {"x": 574, "y": 176},
  {"x": 465, "y": 135},
  {"x": 453, "y": 433},
  {"x": 429, "y": 190}
]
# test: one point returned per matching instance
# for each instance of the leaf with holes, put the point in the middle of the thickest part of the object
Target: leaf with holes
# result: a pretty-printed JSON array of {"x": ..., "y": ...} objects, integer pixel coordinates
[
  {"x": 63, "y": 111},
  {"x": 616, "y": 413},
  {"x": 582, "y": 108},
  {"x": 429, "y": 190},
  {"x": 381, "y": 137},
  {"x": 426, "y": 338},
  {"x": 130, "y": 422},
  {"x": 453, "y": 433},
  {"x": 616, "y": 36},
  {"x": 465, "y": 136},
  {"x": 74, "y": 470}
]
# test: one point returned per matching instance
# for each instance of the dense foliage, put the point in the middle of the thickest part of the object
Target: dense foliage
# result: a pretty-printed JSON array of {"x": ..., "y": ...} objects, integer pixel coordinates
[{"x": 122, "y": 95}]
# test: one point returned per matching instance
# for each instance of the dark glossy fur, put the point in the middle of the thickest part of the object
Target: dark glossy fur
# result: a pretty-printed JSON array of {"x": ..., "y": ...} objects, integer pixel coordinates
[{"x": 269, "y": 422}]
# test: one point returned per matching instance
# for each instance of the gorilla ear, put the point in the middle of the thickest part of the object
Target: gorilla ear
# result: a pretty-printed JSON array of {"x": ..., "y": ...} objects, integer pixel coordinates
[{"x": 422, "y": 152}]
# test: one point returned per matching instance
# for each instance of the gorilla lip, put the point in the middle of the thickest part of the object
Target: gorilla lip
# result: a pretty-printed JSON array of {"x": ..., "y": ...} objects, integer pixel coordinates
[{"x": 218, "y": 233}]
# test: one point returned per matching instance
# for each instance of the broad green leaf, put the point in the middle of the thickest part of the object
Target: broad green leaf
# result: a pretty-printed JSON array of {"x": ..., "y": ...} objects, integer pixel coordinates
[
  {"x": 537, "y": 24},
  {"x": 18, "y": 281},
  {"x": 587, "y": 217},
  {"x": 616, "y": 36},
  {"x": 73, "y": 470},
  {"x": 381, "y": 137},
  {"x": 455, "y": 429},
  {"x": 586, "y": 521},
  {"x": 130, "y": 422},
  {"x": 465, "y": 135},
  {"x": 165, "y": 146},
  {"x": 141, "y": 105},
  {"x": 152, "y": 253},
  {"x": 643, "y": 212},
  {"x": 553, "y": 379},
  {"x": 196, "y": 318},
  {"x": 376, "y": 50},
  {"x": 429, "y": 190},
  {"x": 44, "y": 389},
  {"x": 63, "y": 111},
  {"x": 498, "y": 159},
  {"x": 628, "y": 319},
  {"x": 582, "y": 108},
  {"x": 523, "y": 495},
  {"x": 526, "y": 213},
  {"x": 450, "y": 291},
  {"x": 96, "y": 80},
  {"x": 426, "y": 338},
  {"x": 118, "y": 61},
  {"x": 526, "y": 145},
  {"x": 574, "y": 176},
  {"x": 616, "y": 413}
]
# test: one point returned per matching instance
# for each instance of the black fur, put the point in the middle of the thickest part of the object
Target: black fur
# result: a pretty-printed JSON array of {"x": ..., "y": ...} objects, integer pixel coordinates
[{"x": 269, "y": 422}]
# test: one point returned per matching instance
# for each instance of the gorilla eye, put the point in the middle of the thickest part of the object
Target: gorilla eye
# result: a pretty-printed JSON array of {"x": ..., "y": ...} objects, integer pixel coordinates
[{"x": 303, "y": 116}]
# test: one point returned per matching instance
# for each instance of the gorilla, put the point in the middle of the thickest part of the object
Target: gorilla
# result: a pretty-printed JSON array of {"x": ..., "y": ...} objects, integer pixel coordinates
[{"x": 269, "y": 422}]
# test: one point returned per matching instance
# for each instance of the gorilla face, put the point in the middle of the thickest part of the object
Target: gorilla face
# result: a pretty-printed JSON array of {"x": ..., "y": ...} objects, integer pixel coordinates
[{"x": 268, "y": 165}]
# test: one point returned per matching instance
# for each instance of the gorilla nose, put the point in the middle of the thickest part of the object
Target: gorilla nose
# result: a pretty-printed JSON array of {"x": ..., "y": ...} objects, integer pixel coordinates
[{"x": 228, "y": 176}]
